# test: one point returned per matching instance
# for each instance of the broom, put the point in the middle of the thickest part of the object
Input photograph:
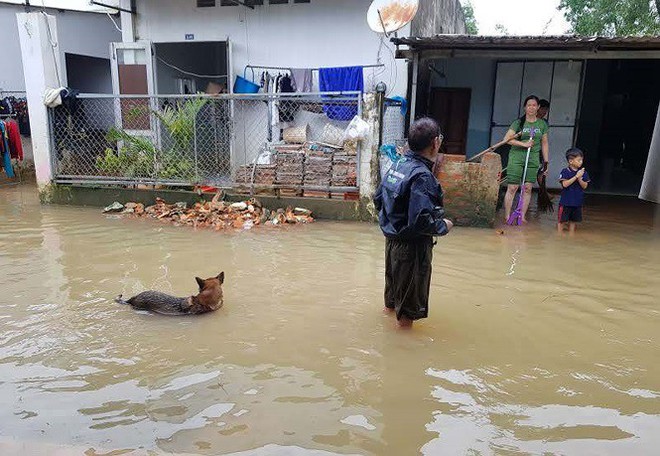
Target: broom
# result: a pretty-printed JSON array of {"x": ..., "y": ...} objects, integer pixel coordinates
[{"x": 544, "y": 201}]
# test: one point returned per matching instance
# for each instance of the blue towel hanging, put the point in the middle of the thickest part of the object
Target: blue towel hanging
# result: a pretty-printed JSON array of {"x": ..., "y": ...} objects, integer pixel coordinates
[{"x": 347, "y": 79}]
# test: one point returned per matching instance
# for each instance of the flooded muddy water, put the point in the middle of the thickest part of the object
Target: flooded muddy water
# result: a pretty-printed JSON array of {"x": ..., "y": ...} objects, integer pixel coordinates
[{"x": 535, "y": 344}]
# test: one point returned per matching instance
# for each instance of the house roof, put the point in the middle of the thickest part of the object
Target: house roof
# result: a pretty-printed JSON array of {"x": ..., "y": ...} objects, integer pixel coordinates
[{"x": 545, "y": 43}]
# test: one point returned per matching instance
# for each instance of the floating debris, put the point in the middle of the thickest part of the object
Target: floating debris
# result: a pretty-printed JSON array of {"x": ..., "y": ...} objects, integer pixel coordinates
[
  {"x": 216, "y": 213},
  {"x": 114, "y": 207}
]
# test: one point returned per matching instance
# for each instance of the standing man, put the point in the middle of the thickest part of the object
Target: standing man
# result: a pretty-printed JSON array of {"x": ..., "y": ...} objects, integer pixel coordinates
[
  {"x": 410, "y": 212},
  {"x": 544, "y": 108}
]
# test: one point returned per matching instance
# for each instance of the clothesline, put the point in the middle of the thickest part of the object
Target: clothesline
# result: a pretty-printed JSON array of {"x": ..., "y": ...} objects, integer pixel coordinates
[{"x": 267, "y": 67}]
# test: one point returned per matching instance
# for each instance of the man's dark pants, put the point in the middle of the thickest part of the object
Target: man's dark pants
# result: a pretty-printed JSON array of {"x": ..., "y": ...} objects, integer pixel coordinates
[{"x": 408, "y": 276}]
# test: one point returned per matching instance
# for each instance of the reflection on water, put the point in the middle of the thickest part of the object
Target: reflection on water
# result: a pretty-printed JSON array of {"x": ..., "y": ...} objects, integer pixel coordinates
[{"x": 534, "y": 343}]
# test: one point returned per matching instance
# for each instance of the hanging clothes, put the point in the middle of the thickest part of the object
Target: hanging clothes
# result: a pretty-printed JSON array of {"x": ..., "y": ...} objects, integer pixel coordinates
[
  {"x": 288, "y": 111},
  {"x": 286, "y": 84},
  {"x": 275, "y": 110},
  {"x": 341, "y": 80},
  {"x": 5, "y": 151},
  {"x": 302, "y": 80},
  {"x": 17, "y": 107},
  {"x": 14, "y": 139}
]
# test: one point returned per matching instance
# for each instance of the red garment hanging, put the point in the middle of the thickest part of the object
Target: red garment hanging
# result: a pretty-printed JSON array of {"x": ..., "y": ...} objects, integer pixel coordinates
[{"x": 15, "y": 144}]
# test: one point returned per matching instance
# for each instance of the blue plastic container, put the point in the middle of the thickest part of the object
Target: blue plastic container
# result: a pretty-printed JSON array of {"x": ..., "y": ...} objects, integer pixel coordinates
[{"x": 243, "y": 85}]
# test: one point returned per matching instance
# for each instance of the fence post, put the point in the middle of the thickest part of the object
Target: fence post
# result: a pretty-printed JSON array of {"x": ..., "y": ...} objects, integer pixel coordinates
[
  {"x": 195, "y": 149},
  {"x": 42, "y": 63}
]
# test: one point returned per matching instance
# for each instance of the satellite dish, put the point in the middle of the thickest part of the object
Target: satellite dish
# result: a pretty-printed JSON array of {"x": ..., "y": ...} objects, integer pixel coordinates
[{"x": 387, "y": 16}]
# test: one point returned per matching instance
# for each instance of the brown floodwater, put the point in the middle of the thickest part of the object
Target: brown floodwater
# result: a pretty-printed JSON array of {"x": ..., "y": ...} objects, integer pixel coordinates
[{"x": 535, "y": 344}]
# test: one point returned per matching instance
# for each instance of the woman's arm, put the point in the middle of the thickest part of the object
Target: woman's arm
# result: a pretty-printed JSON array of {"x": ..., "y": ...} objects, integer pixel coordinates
[
  {"x": 510, "y": 140},
  {"x": 545, "y": 147}
]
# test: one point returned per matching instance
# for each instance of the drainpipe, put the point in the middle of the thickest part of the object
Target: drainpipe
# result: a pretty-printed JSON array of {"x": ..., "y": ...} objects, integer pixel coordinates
[{"x": 381, "y": 88}]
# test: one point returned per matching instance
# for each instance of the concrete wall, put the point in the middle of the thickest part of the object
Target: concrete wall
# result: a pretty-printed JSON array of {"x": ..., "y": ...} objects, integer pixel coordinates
[
  {"x": 322, "y": 33},
  {"x": 478, "y": 75},
  {"x": 436, "y": 17},
  {"x": 78, "y": 33}
]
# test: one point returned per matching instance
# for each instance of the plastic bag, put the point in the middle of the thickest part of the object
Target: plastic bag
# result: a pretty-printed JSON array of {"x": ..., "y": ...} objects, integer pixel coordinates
[
  {"x": 357, "y": 130},
  {"x": 388, "y": 157}
]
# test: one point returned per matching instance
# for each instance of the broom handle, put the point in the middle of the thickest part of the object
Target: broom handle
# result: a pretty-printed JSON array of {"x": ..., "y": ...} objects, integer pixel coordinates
[{"x": 492, "y": 148}]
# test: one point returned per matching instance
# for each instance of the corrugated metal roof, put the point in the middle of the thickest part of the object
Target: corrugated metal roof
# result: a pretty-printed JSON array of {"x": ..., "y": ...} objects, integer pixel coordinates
[{"x": 448, "y": 42}]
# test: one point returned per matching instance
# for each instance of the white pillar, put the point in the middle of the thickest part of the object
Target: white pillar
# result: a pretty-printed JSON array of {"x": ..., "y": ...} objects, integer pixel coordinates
[
  {"x": 127, "y": 23},
  {"x": 41, "y": 66}
]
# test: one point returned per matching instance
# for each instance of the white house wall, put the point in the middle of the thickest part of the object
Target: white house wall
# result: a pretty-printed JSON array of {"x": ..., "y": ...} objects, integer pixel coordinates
[
  {"x": 323, "y": 33},
  {"x": 78, "y": 33},
  {"x": 87, "y": 34}
]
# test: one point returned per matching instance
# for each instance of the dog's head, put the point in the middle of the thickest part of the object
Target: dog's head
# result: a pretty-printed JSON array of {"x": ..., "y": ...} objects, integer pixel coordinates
[
  {"x": 210, "y": 291},
  {"x": 212, "y": 282}
]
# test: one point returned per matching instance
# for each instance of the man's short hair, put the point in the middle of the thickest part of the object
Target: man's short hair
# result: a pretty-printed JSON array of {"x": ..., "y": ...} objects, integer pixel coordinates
[
  {"x": 544, "y": 103},
  {"x": 422, "y": 133}
]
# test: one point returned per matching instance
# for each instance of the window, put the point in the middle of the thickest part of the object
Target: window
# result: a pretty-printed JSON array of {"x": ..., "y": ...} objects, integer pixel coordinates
[
  {"x": 246, "y": 2},
  {"x": 205, "y": 3},
  {"x": 278, "y": 2},
  {"x": 301, "y": 1}
]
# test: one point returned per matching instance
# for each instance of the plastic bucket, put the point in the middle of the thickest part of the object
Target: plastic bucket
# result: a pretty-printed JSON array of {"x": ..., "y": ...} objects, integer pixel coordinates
[{"x": 243, "y": 85}]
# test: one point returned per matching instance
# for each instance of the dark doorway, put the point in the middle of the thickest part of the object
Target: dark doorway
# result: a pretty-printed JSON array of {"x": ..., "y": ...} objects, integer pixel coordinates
[
  {"x": 617, "y": 116},
  {"x": 451, "y": 108},
  {"x": 88, "y": 74}
]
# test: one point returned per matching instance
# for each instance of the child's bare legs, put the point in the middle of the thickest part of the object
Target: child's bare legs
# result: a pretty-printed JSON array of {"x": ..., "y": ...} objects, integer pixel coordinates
[
  {"x": 560, "y": 228},
  {"x": 508, "y": 200},
  {"x": 527, "y": 197},
  {"x": 571, "y": 227}
]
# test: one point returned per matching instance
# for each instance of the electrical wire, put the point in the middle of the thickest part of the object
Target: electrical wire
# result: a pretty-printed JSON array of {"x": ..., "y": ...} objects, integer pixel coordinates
[
  {"x": 190, "y": 73},
  {"x": 53, "y": 45},
  {"x": 114, "y": 23}
]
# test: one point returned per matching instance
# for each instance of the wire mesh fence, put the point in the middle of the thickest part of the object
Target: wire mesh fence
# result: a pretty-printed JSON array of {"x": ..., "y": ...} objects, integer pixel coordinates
[
  {"x": 289, "y": 142},
  {"x": 393, "y": 123}
]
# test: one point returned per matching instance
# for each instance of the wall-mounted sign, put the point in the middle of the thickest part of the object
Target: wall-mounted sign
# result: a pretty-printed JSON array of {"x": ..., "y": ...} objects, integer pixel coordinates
[{"x": 190, "y": 36}]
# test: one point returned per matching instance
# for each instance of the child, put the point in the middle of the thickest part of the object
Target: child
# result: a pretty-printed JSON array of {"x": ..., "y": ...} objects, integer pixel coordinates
[{"x": 574, "y": 180}]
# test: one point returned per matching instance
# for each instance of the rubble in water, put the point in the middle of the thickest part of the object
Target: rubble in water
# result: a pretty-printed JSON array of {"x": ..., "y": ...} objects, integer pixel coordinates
[{"x": 218, "y": 214}]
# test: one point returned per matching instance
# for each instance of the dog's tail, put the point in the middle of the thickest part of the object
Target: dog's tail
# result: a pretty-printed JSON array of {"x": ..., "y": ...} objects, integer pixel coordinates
[{"x": 119, "y": 300}]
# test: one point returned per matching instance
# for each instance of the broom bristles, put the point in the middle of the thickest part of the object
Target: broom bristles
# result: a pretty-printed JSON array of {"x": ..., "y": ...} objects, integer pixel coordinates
[{"x": 544, "y": 202}]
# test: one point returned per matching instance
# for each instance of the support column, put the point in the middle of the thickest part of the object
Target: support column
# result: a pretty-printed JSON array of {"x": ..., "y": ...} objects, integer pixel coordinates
[
  {"x": 127, "y": 22},
  {"x": 41, "y": 65}
]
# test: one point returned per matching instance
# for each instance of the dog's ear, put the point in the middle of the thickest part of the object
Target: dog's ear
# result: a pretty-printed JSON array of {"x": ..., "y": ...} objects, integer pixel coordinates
[
  {"x": 200, "y": 282},
  {"x": 221, "y": 277}
]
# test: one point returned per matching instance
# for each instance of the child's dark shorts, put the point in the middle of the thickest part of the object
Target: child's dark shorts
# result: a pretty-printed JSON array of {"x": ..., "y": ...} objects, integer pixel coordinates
[{"x": 570, "y": 214}]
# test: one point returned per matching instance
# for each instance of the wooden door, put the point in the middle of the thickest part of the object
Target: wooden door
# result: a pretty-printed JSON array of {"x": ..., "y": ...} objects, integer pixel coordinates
[{"x": 451, "y": 109}]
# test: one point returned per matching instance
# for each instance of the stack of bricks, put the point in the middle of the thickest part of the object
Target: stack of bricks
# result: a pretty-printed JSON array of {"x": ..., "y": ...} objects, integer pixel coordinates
[
  {"x": 344, "y": 174},
  {"x": 258, "y": 175},
  {"x": 344, "y": 170},
  {"x": 318, "y": 169},
  {"x": 290, "y": 167}
]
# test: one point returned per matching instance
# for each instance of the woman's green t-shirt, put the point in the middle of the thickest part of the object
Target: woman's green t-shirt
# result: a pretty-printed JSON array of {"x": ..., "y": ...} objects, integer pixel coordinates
[{"x": 540, "y": 127}]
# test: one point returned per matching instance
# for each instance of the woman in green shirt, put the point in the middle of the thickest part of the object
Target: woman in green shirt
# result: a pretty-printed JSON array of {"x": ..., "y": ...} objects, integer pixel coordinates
[{"x": 516, "y": 166}]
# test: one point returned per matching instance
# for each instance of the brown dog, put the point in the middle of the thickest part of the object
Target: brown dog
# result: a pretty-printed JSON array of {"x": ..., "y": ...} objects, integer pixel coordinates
[{"x": 208, "y": 299}]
